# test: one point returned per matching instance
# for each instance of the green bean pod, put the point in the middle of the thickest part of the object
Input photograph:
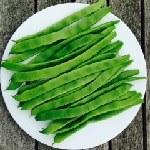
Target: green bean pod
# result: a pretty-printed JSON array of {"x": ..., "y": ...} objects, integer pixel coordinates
[
  {"x": 104, "y": 90},
  {"x": 70, "y": 76},
  {"x": 64, "y": 67},
  {"x": 127, "y": 95},
  {"x": 25, "y": 55},
  {"x": 113, "y": 46},
  {"x": 14, "y": 85},
  {"x": 59, "y": 91},
  {"x": 47, "y": 54},
  {"x": 97, "y": 58},
  {"x": 58, "y": 124},
  {"x": 62, "y": 34},
  {"x": 118, "y": 104},
  {"x": 30, "y": 67},
  {"x": 67, "y": 20},
  {"x": 62, "y": 136},
  {"x": 31, "y": 86},
  {"x": 103, "y": 78},
  {"x": 62, "y": 124},
  {"x": 75, "y": 45},
  {"x": 81, "y": 110}
]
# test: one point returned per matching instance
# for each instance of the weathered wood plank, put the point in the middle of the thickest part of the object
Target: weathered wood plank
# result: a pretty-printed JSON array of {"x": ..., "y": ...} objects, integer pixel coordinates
[
  {"x": 130, "y": 12},
  {"x": 46, "y": 3},
  {"x": 12, "y": 14},
  {"x": 147, "y": 56}
]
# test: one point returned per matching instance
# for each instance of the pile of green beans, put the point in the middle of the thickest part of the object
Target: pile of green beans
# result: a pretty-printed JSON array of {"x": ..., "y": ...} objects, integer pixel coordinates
[{"x": 73, "y": 76}]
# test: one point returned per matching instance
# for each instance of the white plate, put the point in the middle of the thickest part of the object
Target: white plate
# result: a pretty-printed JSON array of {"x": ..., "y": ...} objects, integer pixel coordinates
[{"x": 94, "y": 134}]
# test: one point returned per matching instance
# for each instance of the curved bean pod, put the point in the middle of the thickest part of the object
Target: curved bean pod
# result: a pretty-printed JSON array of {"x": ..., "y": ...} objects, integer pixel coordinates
[
  {"x": 118, "y": 104},
  {"x": 104, "y": 90},
  {"x": 129, "y": 94},
  {"x": 59, "y": 91},
  {"x": 64, "y": 67},
  {"x": 62, "y": 136},
  {"x": 67, "y": 20},
  {"x": 109, "y": 48},
  {"x": 14, "y": 85},
  {"x": 30, "y": 86},
  {"x": 63, "y": 124},
  {"x": 56, "y": 125},
  {"x": 24, "y": 56},
  {"x": 90, "y": 88},
  {"x": 30, "y": 67},
  {"x": 62, "y": 34},
  {"x": 45, "y": 55},
  {"x": 97, "y": 58},
  {"x": 75, "y": 45},
  {"x": 81, "y": 110},
  {"x": 70, "y": 76},
  {"x": 103, "y": 78}
]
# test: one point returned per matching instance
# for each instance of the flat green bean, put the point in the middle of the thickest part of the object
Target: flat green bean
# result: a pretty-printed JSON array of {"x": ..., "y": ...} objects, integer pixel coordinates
[
  {"x": 116, "y": 105},
  {"x": 25, "y": 55},
  {"x": 75, "y": 45},
  {"x": 103, "y": 78},
  {"x": 59, "y": 124},
  {"x": 14, "y": 85},
  {"x": 59, "y": 91},
  {"x": 97, "y": 58},
  {"x": 47, "y": 54},
  {"x": 62, "y": 136},
  {"x": 56, "y": 125},
  {"x": 62, "y": 34},
  {"x": 129, "y": 94},
  {"x": 70, "y": 76},
  {"x": 64, "y": 67},
  {"x": 30, "y": 67},
  {"x": 90, "y": 88},
  {"x": 30, "y": 86},
  {"x": 116, "y": 45},
  {"x": 67, "y": 20},
  {"x": 104, "y": 90},
  {"x": 81, "y": 110}
]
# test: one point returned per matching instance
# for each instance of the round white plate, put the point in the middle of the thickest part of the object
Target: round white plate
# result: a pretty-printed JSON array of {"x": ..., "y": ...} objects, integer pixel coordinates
[{"x": 94, "y": 134}]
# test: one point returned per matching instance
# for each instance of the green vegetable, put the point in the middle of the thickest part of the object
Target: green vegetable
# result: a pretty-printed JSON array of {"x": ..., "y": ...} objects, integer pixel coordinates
[
  {"x": 118, "y": 104},
  {"x": 58, "y": 91},
  {"x": 47, "y": 54},
  {"x": 112, "y": 48},
  {"x": 64, "y": 67},
  {"x": 104, "y": 90},
  {"x": 62, "y": 34},
  {"x": 62, "y": 136},
  {"x": 103, "y": 78},
  {"x": 31, "y": 86},
  {"x": 70, "y": 76},
  {"x": 31, "y": 67},
  {"x": 76, "y": 44},
  {"x": 81, "y": 110},
  {"x": 67, "y": 20},
  {"x": 25, "y": 55},
  {"x": 14, "y": 85}
]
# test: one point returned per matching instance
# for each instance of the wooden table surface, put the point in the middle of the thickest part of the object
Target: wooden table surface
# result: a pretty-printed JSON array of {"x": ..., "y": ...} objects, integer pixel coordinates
[{"x": 136, "y": 14}]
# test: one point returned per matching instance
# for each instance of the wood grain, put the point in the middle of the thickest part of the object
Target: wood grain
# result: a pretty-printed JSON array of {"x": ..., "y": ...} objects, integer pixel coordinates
[
  {"x": 12, "y": 14},
  {"x": 147, "y": 56},
  {"x": 130, "y": 12},
  {"x": 46, "y": 3}
]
